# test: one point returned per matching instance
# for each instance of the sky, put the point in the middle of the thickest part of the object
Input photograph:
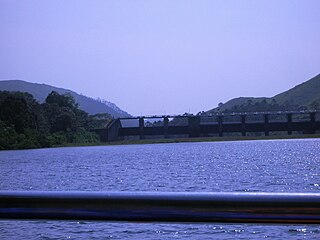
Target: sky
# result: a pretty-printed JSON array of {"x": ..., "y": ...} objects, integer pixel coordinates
[{"x": 161, "y": 56}]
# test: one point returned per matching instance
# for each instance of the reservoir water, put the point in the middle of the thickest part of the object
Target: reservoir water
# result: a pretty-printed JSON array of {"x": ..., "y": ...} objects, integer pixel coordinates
[{"x": 242, "y": 166}]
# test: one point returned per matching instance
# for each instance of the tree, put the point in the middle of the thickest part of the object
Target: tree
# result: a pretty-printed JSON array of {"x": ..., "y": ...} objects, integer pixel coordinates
[
  {"x": 64, "y": 100},
  {"x": 100, "y": 120},
  {"x": 19, "y": 109},
  {"x": 63, "y": 113},
  {"x": 8, "y": 136}
]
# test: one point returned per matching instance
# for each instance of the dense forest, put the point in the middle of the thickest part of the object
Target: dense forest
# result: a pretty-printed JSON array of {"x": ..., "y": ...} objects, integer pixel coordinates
[{"x": 25, "y": 123}]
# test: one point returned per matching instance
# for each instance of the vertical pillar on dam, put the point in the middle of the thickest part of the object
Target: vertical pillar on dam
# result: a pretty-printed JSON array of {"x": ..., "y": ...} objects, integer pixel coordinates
[
  {"x": 166, "y": 127},
  {"x": 141, "y": 127},
  {"x": 313, "y": 122},
  {"x": 289, "y": 123},
  {"x": 243, "y": 125},
  {"x": 194, "y": 126},
  {"x": 220, "y": 126},
  {"x": 266, "y": 124},
  {"x": 113, "y": 130}
]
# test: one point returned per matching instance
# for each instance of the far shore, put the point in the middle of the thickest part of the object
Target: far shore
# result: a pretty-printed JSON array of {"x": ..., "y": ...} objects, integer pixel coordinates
[
  {"x": 183, "y": 140},
  {"x": 198, "y": 139}
]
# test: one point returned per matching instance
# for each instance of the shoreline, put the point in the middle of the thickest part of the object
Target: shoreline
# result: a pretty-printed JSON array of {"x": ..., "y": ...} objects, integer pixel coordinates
[
  {"x": 198, "y": 139},
  {"x": 178, "y": 140}
]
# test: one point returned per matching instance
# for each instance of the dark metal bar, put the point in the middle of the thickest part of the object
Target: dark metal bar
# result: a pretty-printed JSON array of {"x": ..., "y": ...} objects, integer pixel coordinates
[
  {"x": 194, "y": 126},
  {"x": 164, "y": 207},
  {"x": 289, "y": 123},
  {"x": 220, "y": 123},
  {"x": 243, "y": 125},
  {"x": 266, "y": 124},
  {"x": 141, "y": 127},
  {"x": 166, "y": 127},
  {"x": 313, "y": 122}
]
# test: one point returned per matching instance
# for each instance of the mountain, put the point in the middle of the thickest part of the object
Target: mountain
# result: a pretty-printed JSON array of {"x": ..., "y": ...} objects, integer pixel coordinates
[
  {"x": 301, "y": 97},
  {"x": 41, "y": 91}
]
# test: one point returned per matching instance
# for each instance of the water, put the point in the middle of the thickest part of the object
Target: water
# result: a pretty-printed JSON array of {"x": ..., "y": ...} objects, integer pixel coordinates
[{"x": 268, "y": 166}]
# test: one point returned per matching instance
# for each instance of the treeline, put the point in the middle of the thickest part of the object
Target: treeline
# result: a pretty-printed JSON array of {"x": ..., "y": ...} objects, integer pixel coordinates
[{"x": 25, "y": 123}]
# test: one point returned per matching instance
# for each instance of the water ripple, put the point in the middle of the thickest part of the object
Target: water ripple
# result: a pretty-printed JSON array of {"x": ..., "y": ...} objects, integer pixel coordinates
[{"x": 250, "y": 166}]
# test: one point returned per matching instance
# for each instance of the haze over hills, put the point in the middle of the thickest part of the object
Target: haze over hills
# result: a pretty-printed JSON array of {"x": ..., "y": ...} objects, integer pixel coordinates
[
  {"x": 301, "y": 97},
  {"x": 41, "y": 91}
]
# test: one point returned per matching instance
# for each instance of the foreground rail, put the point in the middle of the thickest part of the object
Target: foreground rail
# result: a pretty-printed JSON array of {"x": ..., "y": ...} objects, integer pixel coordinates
[{"x": 165, "y": 206}]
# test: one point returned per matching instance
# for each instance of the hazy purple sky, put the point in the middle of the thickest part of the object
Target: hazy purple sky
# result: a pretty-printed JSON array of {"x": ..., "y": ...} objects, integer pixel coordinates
[{"x": 156, "y": 57}]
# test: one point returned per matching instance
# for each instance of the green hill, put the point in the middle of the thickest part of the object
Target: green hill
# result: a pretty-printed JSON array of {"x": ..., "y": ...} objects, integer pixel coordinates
[
  {"x": 305, "y": 94},
  {"x": 301, "y": 97},
  {"x": 41, "y": 91}
]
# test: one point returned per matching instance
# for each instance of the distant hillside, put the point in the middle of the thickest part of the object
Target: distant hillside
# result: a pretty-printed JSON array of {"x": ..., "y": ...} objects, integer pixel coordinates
[
  {"x": 41, "y": 91},
  {"x": 238, "y": 101},
  {"x": 303, "y": 96}
]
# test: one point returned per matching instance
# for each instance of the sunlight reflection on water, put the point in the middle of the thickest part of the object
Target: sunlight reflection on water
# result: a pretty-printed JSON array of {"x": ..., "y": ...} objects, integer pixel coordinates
[{"x": 269, "y": 166}]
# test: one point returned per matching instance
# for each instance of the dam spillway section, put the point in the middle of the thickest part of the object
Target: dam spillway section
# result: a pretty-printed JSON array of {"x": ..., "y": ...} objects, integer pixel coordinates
[{"x": 217, "y": 125}]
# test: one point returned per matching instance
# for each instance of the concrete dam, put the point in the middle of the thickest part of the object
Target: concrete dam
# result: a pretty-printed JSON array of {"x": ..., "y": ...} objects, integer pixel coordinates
[{"x": 218, "y": 125}]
